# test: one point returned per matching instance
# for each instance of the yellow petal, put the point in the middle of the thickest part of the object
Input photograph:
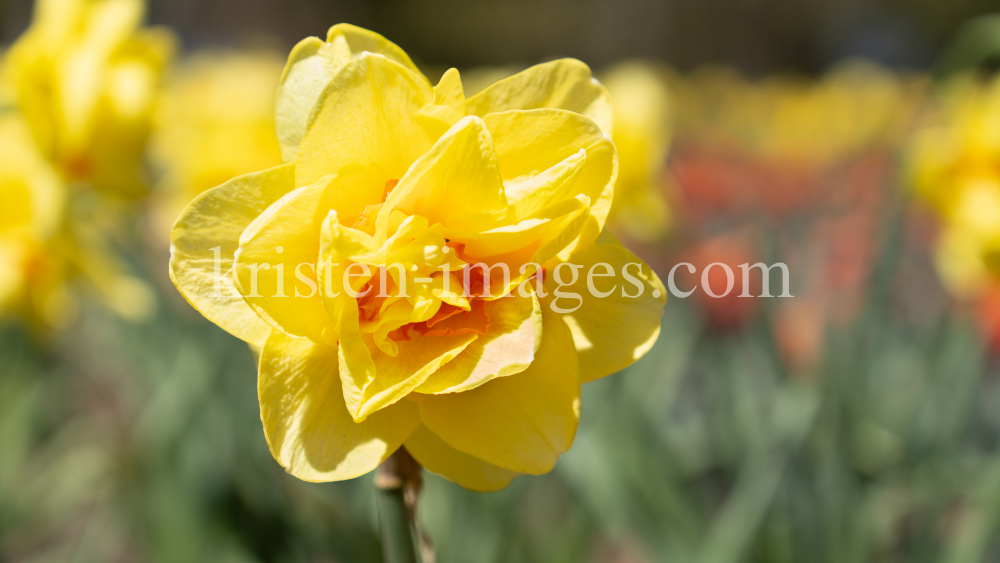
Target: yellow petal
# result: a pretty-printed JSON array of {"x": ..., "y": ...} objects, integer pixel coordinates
[
  {"x": 561, "y": 84},
  {"x": 470, "y": 472},
  {"x": 307, "y": 426},
  {"x": 614, "y": 331},
  {"x": 508, "y": 347},
  {"x": 373, "y": 378},
  {"x": 367, "y": 114},
  {"x": 270, "y": 259},
  {"x": 568, "y": 221},
  {"x": 457, "y": 176},
  {"x": 530, "y": 193},
  {"x": 311, "y": 66},
  {"x": 361, "y": 40},
  {"x": 548, "y": 143},
  {"x": 448, "y": 106},
  {"x": 538, "y": 227},
  {"x": 216, "y": 218},
  {"x": 354, "y": 352},
  {"x": 521, "y": 422},
  {"x": 357, "y": 368},
  {"x": 396, "y": 376},
  {"x": 448, "y": 91}
]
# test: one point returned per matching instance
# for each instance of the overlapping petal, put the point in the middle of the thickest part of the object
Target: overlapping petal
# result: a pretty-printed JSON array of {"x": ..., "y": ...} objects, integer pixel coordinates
[
  {"x": 472, "y": 473},
  {"x": 416, "y": 360},
  {"x": 458, "y": 175},
  {"x": 449, "y": 104},
  {"x": 374, "y": 377},
  {"x": 561, "y": 84},
  {"x": 618, "y": 320},
  {"x": 530, "y": 232},
  {"x": 311, "y": 66},
  {"x": 205, "y": 238},
  {"x": 287, "y": 235},
  {"x": 306, "y": 422},
  {"x": 521, "y": 422},
  {"x": 369, "y": 113},
  {"x": 508, "y": 347},
  {"x": 278, "y": 248},
  {"x": 570, "y": 153}
]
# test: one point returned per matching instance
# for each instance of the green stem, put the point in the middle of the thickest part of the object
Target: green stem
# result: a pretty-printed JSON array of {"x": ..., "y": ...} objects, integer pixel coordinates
[{"x": 397, "y": 478}]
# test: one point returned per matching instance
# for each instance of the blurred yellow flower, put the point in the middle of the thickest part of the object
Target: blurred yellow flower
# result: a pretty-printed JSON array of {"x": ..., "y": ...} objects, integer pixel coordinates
[
  {"x": 215, "y": 121},
  {"x": 43, "y": 250},
  {"x": 359, "y": 265},
  {"x": 855, "y": 106},
  {"x": 643, "y": 122},
  {"x": 32, "y": 201},
  {"x": 955, "y": 165},
  {"x": 85, "y": 77}
]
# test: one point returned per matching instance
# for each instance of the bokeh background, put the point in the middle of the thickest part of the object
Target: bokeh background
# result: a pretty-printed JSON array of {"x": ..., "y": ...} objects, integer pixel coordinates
[
  {"x": 857, "y": 421},
  {"x": 754, "y": 35}
]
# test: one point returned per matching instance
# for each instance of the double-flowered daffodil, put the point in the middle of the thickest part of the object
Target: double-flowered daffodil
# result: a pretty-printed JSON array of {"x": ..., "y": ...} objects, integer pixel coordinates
[
  {"x": 408, "y": 272},
  {"x": 85, "y": 77}
]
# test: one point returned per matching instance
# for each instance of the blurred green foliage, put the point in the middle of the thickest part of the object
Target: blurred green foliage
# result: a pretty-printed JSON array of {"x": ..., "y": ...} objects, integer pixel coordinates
[
  {"x": 123, "y": 442},
  {"x": 143, "y": 443}
]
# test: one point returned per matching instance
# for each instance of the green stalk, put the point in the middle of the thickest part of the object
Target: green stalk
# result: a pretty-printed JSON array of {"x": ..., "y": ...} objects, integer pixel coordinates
[{"x": 398, "y": 483}]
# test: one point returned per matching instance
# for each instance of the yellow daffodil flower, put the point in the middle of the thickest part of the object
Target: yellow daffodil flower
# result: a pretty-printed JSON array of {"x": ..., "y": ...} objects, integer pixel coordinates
[
  {"x": 954, "y": 164},
  {"x": 215, "y": 122},
  {"x": 85, "y": 77},
  {"x": 43, "y": 249},
  {"x": 643, "y": 124},
  {"x": 358, "y": 265}
]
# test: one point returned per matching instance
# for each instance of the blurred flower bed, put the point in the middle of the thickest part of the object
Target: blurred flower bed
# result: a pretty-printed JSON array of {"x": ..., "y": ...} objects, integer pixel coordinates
[{"x": 855, "y": 421}]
